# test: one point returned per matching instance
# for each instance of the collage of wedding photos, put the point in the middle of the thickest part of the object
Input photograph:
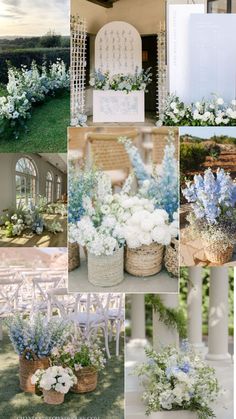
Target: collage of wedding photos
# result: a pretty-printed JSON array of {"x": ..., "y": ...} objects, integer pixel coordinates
[{"x": 117, "y": 209}]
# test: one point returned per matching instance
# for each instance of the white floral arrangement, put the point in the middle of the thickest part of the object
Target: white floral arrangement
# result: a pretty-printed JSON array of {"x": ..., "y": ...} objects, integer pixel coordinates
[
  {"x": 145, "y": 225},
  {"x": 178, "y": 380},
  {"x": 215, "y": 112},
  {"x": 27, "y": 86},
  {"x": 54, "y": 378},
  {"x": 111, "y": 220},
  {"x": 121, "y": 82},
  {"x": 54, "y": 227}
]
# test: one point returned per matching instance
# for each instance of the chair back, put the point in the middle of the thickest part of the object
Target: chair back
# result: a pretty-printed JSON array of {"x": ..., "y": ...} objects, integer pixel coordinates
[
  {"x": 107, "y": 153},
  {"x": 159, "y": 139}
]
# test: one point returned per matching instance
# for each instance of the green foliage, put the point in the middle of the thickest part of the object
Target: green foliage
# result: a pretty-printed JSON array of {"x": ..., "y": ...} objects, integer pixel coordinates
[
  {"x": 191, "y": 156},
  {"x": 50, "y": 40},
  {"x": 19, "y": 57},
  {"x": 171, "y": 317}
]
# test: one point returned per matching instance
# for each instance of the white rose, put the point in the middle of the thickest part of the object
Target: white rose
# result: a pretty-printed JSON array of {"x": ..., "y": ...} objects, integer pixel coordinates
[{"x": 220, "y": 101}]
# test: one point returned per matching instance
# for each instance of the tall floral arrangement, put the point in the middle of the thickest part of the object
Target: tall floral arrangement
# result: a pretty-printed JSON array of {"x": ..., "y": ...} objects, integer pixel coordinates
[
  {"x": 162, "y": 185},
  {"x": 178, "y": 380},
  {"x": 213, "y": 200},
  {"x": 100, "y": 227},
  {"x": 37, "y": 334},
  {"x": 82, "y": 184}
]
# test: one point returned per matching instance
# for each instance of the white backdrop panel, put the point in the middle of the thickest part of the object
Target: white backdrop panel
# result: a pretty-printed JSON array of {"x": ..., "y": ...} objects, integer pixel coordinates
[
  {"x": 212, "y": 56},
  {"x": 177, "y": 43},
  {"x": 118, "y": 48}
]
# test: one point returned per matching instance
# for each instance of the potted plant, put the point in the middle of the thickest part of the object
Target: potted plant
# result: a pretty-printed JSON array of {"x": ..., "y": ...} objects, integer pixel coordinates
[
  {"x": 146, "y": 231},
  {"x": 33, "y": 339},
  {"x": 54, "y": 382},
  {"x": 161, "y": 186},
  {"x": 99, "y": 231},
  {"x": 85, "y": 358},
  {"x": 178, "y": 383},
  {"x": 213, "y": 199}
]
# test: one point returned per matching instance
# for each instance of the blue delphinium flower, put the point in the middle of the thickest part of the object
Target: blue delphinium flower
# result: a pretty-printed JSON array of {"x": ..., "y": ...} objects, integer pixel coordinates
[{"x": 211, "y": 195}]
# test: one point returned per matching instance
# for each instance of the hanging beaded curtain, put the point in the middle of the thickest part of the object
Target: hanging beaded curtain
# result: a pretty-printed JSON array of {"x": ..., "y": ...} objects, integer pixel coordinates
[
  {"x": 161, "y": 69},
  {"x": 78, "y": 67}
]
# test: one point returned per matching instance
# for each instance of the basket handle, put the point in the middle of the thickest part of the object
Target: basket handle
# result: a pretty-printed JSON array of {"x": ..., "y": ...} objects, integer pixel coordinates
[{"x": 31, "y": 352}]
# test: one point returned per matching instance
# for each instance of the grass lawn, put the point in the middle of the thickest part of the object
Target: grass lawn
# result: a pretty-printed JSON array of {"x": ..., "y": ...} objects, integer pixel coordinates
[
  {"x": 46, "y": 129},
  {"x": 105, "y": 402}
]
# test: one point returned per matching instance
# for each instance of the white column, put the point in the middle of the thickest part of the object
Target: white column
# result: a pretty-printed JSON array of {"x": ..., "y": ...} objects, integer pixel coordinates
[
  {"x": 138, "y": 323},
  {"x": 218, "y": 315},
  {"x": 194, "y": 307},
  {"x": 162, "y": 334}
]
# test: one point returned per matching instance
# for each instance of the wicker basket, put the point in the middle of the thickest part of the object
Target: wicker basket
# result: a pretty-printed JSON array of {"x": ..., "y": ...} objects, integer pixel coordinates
[
  {"x": 216, "y": 252},
  {"x": 28, "y": 368},
  {"x": 106, "y": 271},
  {"x": 87, "y": 379},
  {"x": 144, "y": 260},
  {"x": 74, "y": 256},
  {"x": 53, "y": 397},
  {"x": 171, "y": 258}
]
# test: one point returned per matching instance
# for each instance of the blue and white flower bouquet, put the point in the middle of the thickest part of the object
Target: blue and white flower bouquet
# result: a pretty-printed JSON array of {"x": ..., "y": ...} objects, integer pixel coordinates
[
  {"x": 213, "y": 200},
  {"x": 36, "y": 334},
  {"x": 121, "y": 82},
  {"x": 178, "y": 380}
]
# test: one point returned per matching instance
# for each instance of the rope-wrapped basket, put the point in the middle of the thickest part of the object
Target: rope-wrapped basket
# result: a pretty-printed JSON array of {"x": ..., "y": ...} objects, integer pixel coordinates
[
  {"x": 27, "y": 368},
  {"x": 87, "y": 379},
  {"x": 217, "y": 253},
  {"x": 73, "y": 256},
  {"x": 171, "y": 258},
  {"x": 53, "y": 397},
  {"x": 145, "y": 260},
  {"x": 106, "y": 271}
]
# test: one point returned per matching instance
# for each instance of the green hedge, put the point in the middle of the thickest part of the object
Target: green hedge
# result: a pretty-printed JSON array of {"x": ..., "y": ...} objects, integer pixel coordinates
[{"x": 26, "y": 56}]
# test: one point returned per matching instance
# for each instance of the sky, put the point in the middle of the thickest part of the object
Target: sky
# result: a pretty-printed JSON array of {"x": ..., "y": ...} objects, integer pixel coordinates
[
  {"x": 33, "y": 17},
  {"x": 207, "y": 132}
]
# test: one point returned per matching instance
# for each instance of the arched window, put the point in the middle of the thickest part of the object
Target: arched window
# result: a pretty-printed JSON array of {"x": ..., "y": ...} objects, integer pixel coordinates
[
  {"x": 58, "y": 194},
  {"x": 26, "y": 178},
  {"x": 49, "y": 187}
]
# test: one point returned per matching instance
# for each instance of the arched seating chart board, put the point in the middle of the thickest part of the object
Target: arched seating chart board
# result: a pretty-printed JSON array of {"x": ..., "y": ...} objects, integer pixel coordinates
[{"x": 118, "y": 49}]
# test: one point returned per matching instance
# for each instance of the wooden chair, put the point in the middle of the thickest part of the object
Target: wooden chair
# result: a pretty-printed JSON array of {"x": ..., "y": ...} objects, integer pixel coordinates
[
  {"x": 109, "y": 155},
  {"x": 159, "y": 139}
]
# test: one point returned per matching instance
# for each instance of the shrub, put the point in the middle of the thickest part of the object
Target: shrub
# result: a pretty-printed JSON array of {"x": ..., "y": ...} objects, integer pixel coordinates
[
  {"x": 191, "y": 156},
  {"x": 20, "y": 57}
]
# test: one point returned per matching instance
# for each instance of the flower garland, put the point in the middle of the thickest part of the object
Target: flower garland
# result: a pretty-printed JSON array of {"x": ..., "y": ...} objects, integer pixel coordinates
[
  {"x": 171, "y": 317},
  {"x": 121, "y": 82},
  {"x": 215, "y": 112}
]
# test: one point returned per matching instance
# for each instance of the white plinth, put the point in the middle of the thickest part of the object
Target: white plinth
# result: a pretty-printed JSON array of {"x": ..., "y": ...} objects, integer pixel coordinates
[{"x": 117, "y": 106}]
